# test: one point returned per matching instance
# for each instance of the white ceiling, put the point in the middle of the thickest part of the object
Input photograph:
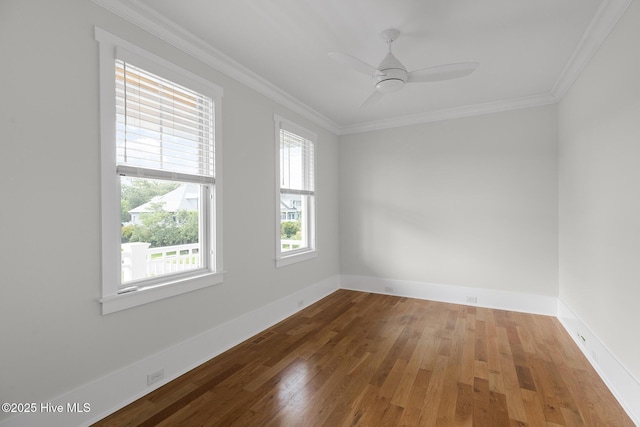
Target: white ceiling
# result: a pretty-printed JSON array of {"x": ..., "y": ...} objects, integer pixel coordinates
[{"x": 529, "y": 51}]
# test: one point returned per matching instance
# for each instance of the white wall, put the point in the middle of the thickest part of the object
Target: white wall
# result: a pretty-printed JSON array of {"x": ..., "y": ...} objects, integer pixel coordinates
[
  {"x": 467, "y": 202},
  {"x": 53, "y": 337},
  {"x": 599, "y": 152}
]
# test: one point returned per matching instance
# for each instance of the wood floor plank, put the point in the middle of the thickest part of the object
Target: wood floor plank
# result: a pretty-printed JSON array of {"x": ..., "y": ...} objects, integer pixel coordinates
[
  {"x": 481, "y": 402},
  {"x": 533, "y": 407},
  {"x": 434, "y": 391},
  {"x": 468, "y": 349},
  {"x": 481, "y": 341},
  {"x": 525, "y": 378},
  {"x": 493, "y": 353},
  {"x": 329, "y": 394},
  {"x": 361, "y": 359},
  {"x": 512, "y": 389},
  {"x": 352, "y": 385},
  {"x": 417, "y": 398},
  {"x": 447, "y": 408},
  {"x": 498, "y": 410},
  {"x": 464, "y": 406},
  {"x": 552, "y": 389},
  {"x": 403, "y": 391}
]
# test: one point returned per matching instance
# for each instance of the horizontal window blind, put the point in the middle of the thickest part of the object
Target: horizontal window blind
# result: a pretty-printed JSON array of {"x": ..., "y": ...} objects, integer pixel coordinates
[
  {"x": 161, "y": 127},
  {"x": 296, "y": 164}
]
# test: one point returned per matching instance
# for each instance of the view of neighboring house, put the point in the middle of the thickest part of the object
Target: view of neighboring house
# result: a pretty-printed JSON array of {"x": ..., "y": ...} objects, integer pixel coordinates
[
  {"x": 183, "y": 198},
  {"x": 290, "y": 207}
]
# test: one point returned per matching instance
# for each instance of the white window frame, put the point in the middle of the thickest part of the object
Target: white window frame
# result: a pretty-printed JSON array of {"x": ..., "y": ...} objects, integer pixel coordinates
[
  {"x": 311, "y": 251},
  {"x": 113, "y": 299}
]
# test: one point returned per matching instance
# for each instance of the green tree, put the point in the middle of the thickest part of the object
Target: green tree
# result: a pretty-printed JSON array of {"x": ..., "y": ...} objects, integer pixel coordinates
[
  {"x": 127, "y": 232},
  {"x": 161, "y": 228},
  {"x": 188, "y": 224},
  {"x": 290, "y": 230}
]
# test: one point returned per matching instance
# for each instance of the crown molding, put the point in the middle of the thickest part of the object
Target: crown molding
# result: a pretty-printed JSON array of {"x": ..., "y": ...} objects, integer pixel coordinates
[
  {"x": 171, "y": 33},
  {"x": 452, "y": 113},
  {"x": 608, "y": 14},
  {"x": 603, "y": 22}
]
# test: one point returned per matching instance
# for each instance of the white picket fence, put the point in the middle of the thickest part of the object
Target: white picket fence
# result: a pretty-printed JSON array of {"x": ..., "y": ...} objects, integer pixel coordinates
[
  {"x": 139, "y": 261},
  {"x": 288, "y": 245}
]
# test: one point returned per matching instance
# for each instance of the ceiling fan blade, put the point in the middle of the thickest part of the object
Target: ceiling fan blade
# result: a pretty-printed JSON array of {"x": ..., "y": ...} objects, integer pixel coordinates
[
  {"x": 442, "y": 72},
  {"x": 353, "y": 62},
  {"x": 372, "y": 99}
]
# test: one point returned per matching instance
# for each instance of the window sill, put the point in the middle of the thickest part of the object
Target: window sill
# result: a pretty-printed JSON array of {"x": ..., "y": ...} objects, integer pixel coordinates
[
  {"x": 114, "y": 303},
  {"x": 294, "y": 258}
]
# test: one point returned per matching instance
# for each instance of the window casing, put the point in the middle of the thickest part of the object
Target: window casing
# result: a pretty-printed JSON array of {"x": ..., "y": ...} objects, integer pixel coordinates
[
  {"x": 158, "y": 130},
  {"x": 296, "y": 193}
]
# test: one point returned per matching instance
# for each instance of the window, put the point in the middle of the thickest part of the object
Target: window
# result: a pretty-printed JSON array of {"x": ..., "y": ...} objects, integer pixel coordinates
[
  {"x": 296, "y": 195},
  {"x": 160, "y": 177}
]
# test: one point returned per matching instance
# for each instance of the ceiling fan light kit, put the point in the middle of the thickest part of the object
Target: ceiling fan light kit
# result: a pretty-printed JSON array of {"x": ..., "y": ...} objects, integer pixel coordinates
[{"x": 391, "y": 75}]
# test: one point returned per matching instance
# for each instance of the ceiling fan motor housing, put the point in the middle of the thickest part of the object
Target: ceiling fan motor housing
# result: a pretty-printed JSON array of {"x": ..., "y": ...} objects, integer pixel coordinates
[{"x": 391, "y": 75}]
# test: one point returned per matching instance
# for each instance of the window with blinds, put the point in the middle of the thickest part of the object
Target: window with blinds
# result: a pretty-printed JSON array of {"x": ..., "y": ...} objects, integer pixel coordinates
[
  {"x": 163, "y": 129},
  {"x": 164, "y": 157},
  {"x": 160, "y": 183},
  {"x": 296, "y": 164},
  {"x": 296, "y": 198}
]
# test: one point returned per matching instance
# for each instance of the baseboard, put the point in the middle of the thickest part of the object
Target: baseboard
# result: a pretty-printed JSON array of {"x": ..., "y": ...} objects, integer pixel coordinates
[
  {"x": 622, "y": 384},
  {"x": 116, "y": 390},
  {"x": 490, "y": 298}
]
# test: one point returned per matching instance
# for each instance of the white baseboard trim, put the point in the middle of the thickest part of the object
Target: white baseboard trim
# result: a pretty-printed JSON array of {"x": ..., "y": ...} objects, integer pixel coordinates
[
  {"x": 490, "y": 298},
  {"x": 620, "y": 381},
  {"x": 114, "y": 391}
]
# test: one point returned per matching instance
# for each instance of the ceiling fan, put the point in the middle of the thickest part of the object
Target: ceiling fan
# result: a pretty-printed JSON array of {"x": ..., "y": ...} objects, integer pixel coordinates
[{"x": 391, "y": 75}]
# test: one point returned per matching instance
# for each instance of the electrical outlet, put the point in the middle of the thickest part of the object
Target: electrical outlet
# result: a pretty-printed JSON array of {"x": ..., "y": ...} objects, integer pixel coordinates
[
  {"x": 388, "y": 289},
  {"x": 300, "y": 303},
  {"x": 472, "y": 300},
  {"x": 154, "y": 377}
]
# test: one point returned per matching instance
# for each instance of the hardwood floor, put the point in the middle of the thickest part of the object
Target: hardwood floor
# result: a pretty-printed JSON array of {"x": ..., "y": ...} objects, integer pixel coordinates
[{"x": 376, "y": 360}]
